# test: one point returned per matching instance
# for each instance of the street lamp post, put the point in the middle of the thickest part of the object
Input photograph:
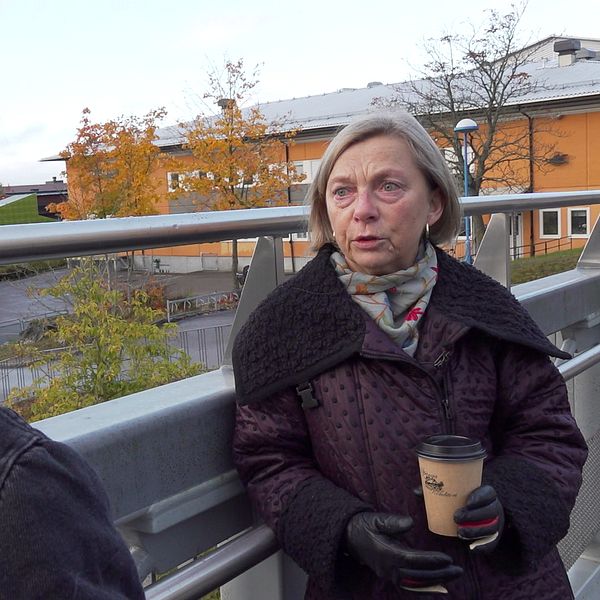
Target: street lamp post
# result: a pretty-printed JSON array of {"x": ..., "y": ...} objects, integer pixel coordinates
[{"x": 465, "y": 126}]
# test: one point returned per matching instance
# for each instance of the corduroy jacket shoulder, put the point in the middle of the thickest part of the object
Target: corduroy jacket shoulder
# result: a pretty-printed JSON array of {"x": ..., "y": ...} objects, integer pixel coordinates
[{"x": 310, "y": 323}]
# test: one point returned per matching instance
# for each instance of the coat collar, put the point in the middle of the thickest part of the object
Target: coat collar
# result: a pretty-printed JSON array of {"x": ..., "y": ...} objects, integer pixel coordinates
[{"x": 309, "y": 323}]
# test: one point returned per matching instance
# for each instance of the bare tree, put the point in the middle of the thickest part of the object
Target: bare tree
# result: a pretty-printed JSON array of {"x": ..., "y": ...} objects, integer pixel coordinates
[{"x": 484, "y": 75}]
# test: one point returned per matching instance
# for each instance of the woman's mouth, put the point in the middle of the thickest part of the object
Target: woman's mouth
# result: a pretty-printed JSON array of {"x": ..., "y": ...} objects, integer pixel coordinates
[{"x": 366, "y": 242}]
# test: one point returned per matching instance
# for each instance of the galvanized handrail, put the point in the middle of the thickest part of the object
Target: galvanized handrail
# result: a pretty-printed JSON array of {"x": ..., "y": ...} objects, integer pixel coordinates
[
  {"x": 580, "y": 363},
  {"x": 217, "y": 568},
  {"x": 22, "y": 243}
]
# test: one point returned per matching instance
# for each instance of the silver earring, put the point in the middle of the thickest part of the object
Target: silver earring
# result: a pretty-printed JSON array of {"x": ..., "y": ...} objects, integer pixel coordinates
[{"x": 427, "y": 231}]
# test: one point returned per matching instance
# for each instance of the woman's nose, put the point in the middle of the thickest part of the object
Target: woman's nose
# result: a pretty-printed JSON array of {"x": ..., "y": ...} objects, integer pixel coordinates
[{"x": 365, "y": 208}]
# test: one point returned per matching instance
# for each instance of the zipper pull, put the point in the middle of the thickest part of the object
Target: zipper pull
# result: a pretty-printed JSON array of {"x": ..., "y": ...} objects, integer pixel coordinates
[
  {"x": 447, "y": 410},
  {"x": 441, "y": 359}
]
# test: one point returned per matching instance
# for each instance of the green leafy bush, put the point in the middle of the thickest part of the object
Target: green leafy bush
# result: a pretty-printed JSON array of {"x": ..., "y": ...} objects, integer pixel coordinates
[{"x": 109, "y": 346}]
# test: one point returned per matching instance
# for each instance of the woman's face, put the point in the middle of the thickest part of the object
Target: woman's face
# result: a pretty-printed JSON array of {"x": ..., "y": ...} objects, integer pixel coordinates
[{"x": 378, "y": 203}]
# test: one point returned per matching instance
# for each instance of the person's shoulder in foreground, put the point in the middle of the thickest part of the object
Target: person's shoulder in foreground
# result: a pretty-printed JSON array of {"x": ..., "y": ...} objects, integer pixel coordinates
[{"x": 57, "y": 539}]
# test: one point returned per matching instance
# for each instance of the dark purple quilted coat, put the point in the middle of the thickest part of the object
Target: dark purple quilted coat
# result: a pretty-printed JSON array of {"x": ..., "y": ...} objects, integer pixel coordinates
[{"x": 481, "y": 370}]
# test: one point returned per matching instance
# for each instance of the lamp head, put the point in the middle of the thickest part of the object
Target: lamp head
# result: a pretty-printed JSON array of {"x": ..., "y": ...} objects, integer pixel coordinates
[{"x": 466, "y": 125}]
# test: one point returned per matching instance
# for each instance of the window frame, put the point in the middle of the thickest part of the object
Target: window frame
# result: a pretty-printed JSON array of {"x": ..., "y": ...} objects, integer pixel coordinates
[
  {"x": 570, "y": 211},
  {"x": 550, "y": 236},
  {"x": 299, "y": 236}
]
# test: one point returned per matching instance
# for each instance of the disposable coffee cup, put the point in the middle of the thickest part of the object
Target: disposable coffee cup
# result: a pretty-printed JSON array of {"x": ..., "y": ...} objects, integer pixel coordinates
[{"x": 450, "y": 467}]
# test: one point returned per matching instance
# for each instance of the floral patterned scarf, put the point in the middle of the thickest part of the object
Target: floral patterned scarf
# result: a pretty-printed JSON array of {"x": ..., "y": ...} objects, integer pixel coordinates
[{"x": 396, "y": 302}]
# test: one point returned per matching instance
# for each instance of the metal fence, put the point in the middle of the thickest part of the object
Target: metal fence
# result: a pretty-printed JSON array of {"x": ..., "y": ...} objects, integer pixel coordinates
[
  {"x": 199, "y": 305},
  {"x": 13, "y": 328},
  {"x": 205, "y": 346}
]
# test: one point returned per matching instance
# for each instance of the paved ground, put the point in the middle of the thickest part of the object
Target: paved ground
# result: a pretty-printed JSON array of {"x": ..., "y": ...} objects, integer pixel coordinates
[
  {"x": 195, "y": 284},
  {"x": 17, "y": 301}
]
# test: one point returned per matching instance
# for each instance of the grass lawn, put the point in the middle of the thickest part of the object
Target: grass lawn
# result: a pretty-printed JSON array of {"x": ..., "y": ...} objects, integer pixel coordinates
[{"x": 536, "y": 267}]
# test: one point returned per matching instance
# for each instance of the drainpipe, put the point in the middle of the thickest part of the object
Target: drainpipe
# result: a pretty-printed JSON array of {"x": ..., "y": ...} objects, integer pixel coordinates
[
  {"x": 289, "y": 199},
  {"x": 287, "y": 162},
  {"x": 531, "y": 182}
]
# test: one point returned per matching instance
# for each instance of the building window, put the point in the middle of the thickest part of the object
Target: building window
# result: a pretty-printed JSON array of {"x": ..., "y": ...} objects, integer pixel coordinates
[
  {"x": 579, "y": 219},
  {"x": 451, "y": 159},
  {"x": 299, "y": 236},
  {"x": 307, "y": 168},
  {"x": 455, "y": 161},
  {"x": 550, "y": 223},
  {"x": 173, "y": 181},
  {"x": 299, "y": 165}
]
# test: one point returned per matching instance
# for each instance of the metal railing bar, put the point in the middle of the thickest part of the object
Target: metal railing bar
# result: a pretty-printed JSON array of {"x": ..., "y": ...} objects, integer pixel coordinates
[
  {"x": 508, "y": 203},
  {"x": 217, "y": 568},
  {"x": 580, "y": 363},
  {"x": 574, "y": 294},
  {"x": 22, "y": 243}
]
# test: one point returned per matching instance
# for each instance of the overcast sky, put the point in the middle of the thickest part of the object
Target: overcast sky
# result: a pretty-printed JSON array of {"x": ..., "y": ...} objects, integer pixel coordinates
[{"x": 130, "y": 56}]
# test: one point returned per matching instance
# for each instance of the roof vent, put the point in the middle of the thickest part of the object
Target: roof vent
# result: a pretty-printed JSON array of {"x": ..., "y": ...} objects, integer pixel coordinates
[
  {"x": 566, "y": 51},
  {"x": 373, "y": 84},
  {"x": 586, "y": 54}
]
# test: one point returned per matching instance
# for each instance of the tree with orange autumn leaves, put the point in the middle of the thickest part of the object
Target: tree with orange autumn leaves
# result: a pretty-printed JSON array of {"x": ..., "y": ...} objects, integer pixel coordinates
[
  {"x": 111, "y": 167},
  {"x": 235, "y": 159}
]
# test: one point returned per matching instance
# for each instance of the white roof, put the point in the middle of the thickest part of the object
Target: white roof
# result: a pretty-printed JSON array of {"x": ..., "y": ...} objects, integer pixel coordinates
[{"x": 336, "y": 109}]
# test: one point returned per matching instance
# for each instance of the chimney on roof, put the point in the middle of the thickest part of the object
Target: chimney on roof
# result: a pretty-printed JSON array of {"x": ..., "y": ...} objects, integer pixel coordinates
[
  {"x": 225, "y": 103},
  {"x": 567, "y": 50}
]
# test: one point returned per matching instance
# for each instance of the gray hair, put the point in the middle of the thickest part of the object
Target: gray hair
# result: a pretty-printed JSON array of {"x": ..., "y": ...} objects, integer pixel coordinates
[{"x": 426, "y": 155}]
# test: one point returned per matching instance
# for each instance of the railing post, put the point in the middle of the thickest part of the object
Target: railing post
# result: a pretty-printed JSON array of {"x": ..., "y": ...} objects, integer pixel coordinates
[
  {"x": 265, "y": 274},
  {"x": 493, "y": 255}
]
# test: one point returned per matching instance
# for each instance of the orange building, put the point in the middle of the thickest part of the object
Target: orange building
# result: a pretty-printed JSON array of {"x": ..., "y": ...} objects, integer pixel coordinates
[{"x": 564, "y": 110}]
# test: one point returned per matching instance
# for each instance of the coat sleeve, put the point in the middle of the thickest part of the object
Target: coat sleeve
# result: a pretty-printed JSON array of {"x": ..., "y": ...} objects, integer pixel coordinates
[
  {"x": 539, "y": 454},
  {"x": 308, "y": 513},
  {"x": 58, "y": 540}
]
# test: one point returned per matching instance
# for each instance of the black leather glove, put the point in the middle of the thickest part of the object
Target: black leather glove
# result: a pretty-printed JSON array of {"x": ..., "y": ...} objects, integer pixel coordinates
[
  {"x": 480, "y": 518},
  {"x": 374, "y": 539}
]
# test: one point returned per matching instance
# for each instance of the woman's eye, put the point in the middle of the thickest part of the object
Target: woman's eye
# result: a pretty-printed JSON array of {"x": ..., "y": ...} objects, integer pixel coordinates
[
  {"x": 340, "y": 193},
  {"x": 389, "y": 186}
]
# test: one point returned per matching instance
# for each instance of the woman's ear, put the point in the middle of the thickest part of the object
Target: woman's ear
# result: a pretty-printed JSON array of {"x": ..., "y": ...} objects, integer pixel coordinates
[{"x": 436, "y": 207}]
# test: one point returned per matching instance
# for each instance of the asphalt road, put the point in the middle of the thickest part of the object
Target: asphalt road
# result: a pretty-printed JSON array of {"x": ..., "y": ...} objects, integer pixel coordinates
[{"x": 17, "y": 302}]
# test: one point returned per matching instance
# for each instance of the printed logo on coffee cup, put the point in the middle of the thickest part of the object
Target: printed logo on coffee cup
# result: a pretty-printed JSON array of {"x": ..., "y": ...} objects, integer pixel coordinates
[{"x": 434, "y": 486}]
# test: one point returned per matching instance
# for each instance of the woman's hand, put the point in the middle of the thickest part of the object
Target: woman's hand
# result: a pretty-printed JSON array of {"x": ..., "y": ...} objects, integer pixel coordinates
[
  {"x": 481, "y": 520},
  {"x": 374, "y": 539}
]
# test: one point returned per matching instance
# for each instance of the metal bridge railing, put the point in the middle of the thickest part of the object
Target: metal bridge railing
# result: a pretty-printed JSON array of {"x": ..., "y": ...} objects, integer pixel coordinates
[{"x": 164, "y": 454}]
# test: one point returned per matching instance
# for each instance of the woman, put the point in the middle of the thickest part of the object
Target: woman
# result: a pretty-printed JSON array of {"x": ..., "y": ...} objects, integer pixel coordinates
[{"x": 379, "y": 342}]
